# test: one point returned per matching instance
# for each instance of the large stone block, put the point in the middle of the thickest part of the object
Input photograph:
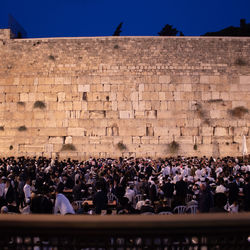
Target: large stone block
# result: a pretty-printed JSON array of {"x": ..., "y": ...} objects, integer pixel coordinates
[
  {"x": 126, "y": 114},
  {"x": 219, "y": 131},
  {"x": 245, "y": 79},
  {"x": 76, "y": 131},
  {"x": 164, "y": 79}
]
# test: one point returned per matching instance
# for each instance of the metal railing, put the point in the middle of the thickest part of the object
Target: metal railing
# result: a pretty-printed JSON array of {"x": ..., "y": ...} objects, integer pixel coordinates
[{"x": 201, "y": 231}]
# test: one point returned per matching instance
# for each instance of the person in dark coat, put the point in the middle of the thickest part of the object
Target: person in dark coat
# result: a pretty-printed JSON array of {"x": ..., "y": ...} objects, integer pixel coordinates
[
  {"x": 181, "y": 188},
  {"x": 168, "y": 190},
  {"x": 153, "y": 191},
  {"x": 9, "y": 193},
  {"x": 220, "y": 200},
  {"x": 77, "y": 194},
  {"x": 205, "y": 201},
  {"x": 233, "y": 191},
  {"x": 246, "y": 191},
  {"x": 147, "y": 207},
  {"x": 100, "y": 200}
]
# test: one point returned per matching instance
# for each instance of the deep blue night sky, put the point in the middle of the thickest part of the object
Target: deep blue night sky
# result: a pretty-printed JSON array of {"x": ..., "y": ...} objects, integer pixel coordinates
[{"x": 72, "y": 18}]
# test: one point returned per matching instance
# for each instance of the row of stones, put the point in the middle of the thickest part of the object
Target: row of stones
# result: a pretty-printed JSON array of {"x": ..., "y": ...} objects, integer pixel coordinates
[
  {"x": 97, "y": 79},
  {"x": 138, "y": 150},
  {"x": 148, "y": 130}
]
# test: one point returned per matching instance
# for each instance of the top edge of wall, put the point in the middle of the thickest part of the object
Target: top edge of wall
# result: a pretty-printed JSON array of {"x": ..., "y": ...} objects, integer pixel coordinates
[{"x": 136, "y": 37}]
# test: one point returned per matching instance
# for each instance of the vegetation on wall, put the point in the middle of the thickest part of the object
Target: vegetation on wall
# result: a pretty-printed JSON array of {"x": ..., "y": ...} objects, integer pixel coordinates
[
  {"x": 238, "y": 112},
  {"x": 68, "y": 147},
  {"x": 39, "y": 104},
  {"x": 202, "y": 114},
  {"x": 51, "y": 57},
  {"x": 1, "y": 128},
  {"x": 240, "y": 62},
  {"x": 121, "y": 146},
  {"x": 21, "y": 104},
  {"x": 173, "y": 147},
  {"x": 22, "y": 128}
]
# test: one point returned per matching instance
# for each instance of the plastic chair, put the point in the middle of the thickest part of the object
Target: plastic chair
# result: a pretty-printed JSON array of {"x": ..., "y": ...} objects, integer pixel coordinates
[
  {"x": 79, "y": 203},
  {"x": 188, "y": 198},
  {"x": 138, "y": 197},
  {"x": 111, "y": 197},
  {"x": 179, "y": 210},
  {"x": 192, "y": 209}
]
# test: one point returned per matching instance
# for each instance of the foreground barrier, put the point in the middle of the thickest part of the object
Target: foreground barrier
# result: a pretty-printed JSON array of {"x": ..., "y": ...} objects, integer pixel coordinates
[{"x": 201, "y": 231}]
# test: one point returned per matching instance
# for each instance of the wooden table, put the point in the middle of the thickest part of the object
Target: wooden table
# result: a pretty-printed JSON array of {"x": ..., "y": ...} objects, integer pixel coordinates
[{"x": 110, "y": 203}]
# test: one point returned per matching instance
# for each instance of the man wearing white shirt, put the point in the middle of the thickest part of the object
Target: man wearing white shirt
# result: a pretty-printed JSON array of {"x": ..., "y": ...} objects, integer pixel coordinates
[
  {"x": 130, "y": 194},
  {"x": 27, "y": 191},
  {"x": 166, "y": 171},
  {"x": 62, "y": 203}
]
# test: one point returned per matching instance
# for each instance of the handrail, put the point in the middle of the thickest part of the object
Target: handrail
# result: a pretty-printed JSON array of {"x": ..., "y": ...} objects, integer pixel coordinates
[{"x": 126, "y": 221}]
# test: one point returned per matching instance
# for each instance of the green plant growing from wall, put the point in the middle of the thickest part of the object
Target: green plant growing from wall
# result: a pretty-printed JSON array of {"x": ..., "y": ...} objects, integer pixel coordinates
[
  {"x": 39, "y": 104},
  {"x": 121, "y": 146},
  {"x": 68, "y": 147},
  {"x": 240, "y": 62},
  {"x": 11, "y": 147},
  {"x": 52, "y": 58},
  {"x": 21, "y": 104},
  {"x": 238, "y": 112},
  {"x": 22, "y": 128},
  {"x": 195, "y": 147},
  {"x": 215, "y": 100},
  {"x": 202, "y": 114},
  {"x": 173, "y": 147}
]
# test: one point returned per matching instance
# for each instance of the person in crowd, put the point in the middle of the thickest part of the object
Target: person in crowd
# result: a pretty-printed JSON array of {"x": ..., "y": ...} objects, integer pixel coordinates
[
  {"x": 62, "y": 203},
  {"x": 205, "y": 199},
  {"x": 100, "y": 199},
  {"x": 27, "y": 191}
]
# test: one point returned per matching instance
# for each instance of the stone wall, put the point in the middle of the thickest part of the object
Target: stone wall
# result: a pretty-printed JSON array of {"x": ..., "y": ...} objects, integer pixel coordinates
[{"x": 130, "y": 96}]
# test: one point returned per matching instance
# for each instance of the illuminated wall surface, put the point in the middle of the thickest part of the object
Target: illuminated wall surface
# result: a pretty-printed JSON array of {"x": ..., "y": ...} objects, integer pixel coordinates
[{"x": 124, "y": 96}]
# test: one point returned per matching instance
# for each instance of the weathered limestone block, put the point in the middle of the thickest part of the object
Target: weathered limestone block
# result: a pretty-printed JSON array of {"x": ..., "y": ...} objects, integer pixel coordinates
[
  {"x": 61, "y": 96},
  {"x": 189, "y": 131},
  {"x": 166, "y": 131},
  {"x": 97, "y": 114},
  {"x": 31, "y": 148},
  {"x": 141, "y": 87},
  {"x": 206, "y": 139},
  {"x": 126, "y": 114},
  {"x": 84, "y": 88},
  {"x": 55, "y": 140},
  {"x": 132, "y": 131},
  {"x": 44, "y": 81},
  {"x": 219, "y": 131},
  {"x": 215, "y": 114},
  {"x": 164, "y": 79},
  {"x": 241, "y": 131},
  {"x": 95, "y": 105},
  {"x": 206, "y": 131},
  {"x": 53, "y": 131},
  {"x": 164, "y": 114},
  {"x": 245, "y": 79},
  {"x": 24, "y": 97},
  {"x": 48, "y": 148},
  {"x": 49, "y": 97},
  {"x": 76, "y": 132}
]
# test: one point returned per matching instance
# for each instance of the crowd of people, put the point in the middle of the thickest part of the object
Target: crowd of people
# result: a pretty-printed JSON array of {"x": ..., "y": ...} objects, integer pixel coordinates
[{"x": 124, "y": 186}]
